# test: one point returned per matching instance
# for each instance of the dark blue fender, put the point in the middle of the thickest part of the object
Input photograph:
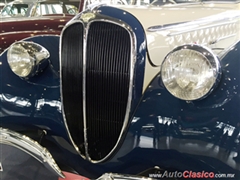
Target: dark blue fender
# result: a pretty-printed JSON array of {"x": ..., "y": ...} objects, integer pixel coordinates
[
  {"x": 35, "y": 102},
  {"x": 199, "y": 135}
]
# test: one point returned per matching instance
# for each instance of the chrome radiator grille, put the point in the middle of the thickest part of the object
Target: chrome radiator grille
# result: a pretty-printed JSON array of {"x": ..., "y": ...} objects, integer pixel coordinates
[
  {"x": 72, "y": 73},
  {"x": 95, "y": 85}
]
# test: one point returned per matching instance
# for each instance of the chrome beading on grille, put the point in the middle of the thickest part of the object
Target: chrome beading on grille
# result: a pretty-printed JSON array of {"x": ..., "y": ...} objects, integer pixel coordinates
[
  {"x": 105, "y": 76},
  {"x": 71, "y": 82}
]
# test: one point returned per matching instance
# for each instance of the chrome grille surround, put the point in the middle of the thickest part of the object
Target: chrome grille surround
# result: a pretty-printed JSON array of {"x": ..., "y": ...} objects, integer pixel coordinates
[{"x": 86, "y": 23}]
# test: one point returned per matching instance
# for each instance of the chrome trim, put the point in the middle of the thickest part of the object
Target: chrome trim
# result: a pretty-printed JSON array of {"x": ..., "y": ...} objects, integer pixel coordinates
[
  {"x": 30, "y": 147},
  {"x": 189, "y": 29},
  {"x": 63, "y": 112},
  {"x": 100, "y": 18},
  {"x": 38, "y": 54},
  {"x": 210, "y": 56},
  {"x": 133, "y": 60},
  {"x": 196, "y": 24},
  {"x": 166, "y": 26},
  {"x": 85, "y": 33},
  {"x": 113, "y": 176}
]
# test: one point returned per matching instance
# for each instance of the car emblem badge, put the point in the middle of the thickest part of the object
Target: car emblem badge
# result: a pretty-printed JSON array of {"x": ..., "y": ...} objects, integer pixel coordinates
[
  {"x": 1, "y": 168},
  {"x": 86, "y": 17}
]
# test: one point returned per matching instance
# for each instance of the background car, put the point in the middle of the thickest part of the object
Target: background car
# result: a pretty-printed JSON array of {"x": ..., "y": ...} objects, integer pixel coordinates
[
  {"x": 135, "y": 92},
  {"x": 37, "y": 18},
  {"x": 29, "y": 8}
]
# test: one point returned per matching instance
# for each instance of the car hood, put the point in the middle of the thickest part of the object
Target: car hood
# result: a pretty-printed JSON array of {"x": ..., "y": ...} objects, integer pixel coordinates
[
  {"x": 164, "y": 26},
  {"x": 150, "y": 15}
]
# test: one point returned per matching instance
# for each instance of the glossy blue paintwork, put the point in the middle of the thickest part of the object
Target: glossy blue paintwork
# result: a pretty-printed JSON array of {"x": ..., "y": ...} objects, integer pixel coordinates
[
  {"x": 164, "y": 131},
  {"x": 36, "y": 101},
  {"x": 178, "y": 135},
  {"x": 204, "y": 131}
]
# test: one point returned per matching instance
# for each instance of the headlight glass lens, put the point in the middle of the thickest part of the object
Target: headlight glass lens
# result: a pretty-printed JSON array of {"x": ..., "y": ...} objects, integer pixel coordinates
[
  {"x": 25, "y": 58},
  {"x": 20, "y": 61},
  {"x": 189, "y": 72}
]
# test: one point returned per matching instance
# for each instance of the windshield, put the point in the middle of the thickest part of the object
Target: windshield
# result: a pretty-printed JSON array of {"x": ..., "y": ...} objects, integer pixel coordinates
[
  {"x": 53, "y": 8},
  {"x": 14, "y": 10}
]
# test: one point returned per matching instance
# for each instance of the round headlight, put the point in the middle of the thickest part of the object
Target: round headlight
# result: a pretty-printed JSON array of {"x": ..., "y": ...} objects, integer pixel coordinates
[
  {"x": 189, "y": 72},
  {"x": 24, "y": 58}
]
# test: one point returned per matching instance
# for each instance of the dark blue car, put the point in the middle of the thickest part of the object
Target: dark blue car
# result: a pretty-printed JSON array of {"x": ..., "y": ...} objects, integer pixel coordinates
[{"x": 113, "y": 99}]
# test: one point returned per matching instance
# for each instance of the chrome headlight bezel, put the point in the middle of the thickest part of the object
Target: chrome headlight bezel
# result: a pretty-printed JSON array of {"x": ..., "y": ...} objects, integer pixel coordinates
[
  {"x": 190, "y": 72},
  {"x": 27, "y": 59}
]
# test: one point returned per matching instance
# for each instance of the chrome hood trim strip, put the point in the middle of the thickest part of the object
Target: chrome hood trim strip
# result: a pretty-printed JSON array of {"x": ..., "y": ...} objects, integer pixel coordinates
[{"x": 212, "y": 21}]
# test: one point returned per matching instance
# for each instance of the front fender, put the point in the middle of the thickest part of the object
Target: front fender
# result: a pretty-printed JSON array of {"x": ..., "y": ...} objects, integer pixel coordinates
[
  {"x": 34, "y": 102},
  {"x": 194, "y": 136}
]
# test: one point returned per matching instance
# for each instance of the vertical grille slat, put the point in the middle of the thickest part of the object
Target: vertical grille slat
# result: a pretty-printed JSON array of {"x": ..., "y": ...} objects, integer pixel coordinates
[
  {"x": 107, "y": 86},
  {"x": 71, "y": 67}
]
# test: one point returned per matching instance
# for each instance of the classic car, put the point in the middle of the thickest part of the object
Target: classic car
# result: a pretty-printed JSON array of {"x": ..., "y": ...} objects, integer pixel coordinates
[
  {"x": 127, "y": 97},
  {"x": 30, "y": 8}
]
